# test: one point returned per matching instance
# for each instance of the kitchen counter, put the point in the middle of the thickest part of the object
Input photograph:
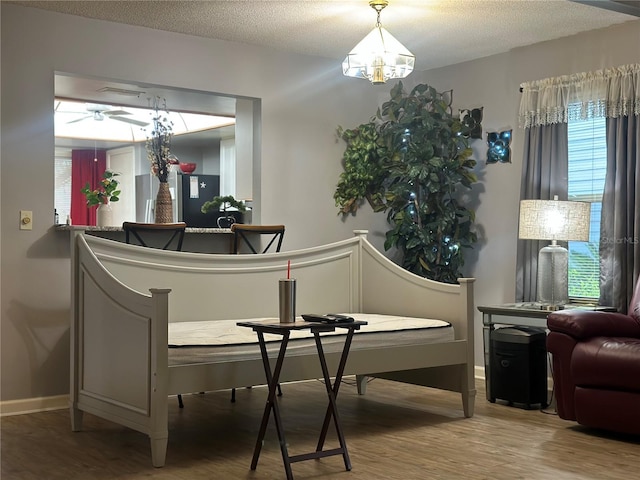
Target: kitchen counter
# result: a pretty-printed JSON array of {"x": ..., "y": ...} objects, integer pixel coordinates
[{"x": 87, "y": 228}]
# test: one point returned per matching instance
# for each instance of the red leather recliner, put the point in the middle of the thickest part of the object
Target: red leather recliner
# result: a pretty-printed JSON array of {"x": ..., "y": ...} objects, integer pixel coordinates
[{"x": 596, "y": 366}]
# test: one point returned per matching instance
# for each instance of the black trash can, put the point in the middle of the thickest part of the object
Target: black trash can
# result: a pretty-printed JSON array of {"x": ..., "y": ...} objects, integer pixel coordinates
[{"x": 519, "y": 366}]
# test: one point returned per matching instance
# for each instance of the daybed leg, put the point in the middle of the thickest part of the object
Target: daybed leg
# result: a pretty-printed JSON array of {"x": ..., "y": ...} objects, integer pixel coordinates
[
  {"x": 468, "y": 402},
  {"x": 468, "y": 389},
  {"x": 158, "y": 451},
  {"x": 76, "y": 419},
  {"x": 361, "y": 384},
  {"x": 180, "y": 403}
]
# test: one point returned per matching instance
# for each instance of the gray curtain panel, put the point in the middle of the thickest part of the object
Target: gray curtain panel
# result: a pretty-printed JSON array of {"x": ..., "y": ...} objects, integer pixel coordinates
[
  {"x": 545, "y": 173},
  {"x": 613, "y": 93},
  {"x": 620, "y": 224}
]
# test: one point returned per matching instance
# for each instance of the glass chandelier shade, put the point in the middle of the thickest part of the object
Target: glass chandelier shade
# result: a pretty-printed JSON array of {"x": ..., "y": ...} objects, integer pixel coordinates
[
  {"x": 379, "y": 56},
  {"x": 553, "y": 220}
]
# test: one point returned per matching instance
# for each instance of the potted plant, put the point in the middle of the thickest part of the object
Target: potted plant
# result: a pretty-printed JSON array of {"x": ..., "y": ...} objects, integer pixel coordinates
[
  {"x": 412, "y": 160},
  {"x": 227, "y": 201},
  {"x": 107, "y": 191}
]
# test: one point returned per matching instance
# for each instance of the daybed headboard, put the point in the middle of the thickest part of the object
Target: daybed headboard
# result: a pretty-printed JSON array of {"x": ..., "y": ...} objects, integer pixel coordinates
[{"x": 215, "y": 286}]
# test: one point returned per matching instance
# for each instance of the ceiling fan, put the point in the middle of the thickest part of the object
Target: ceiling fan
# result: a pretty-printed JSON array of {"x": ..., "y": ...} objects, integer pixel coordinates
[{"x": 100, "y": 112}]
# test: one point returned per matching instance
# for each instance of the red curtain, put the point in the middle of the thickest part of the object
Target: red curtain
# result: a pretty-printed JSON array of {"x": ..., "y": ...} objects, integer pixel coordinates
[{"x": 86, "y": 166}]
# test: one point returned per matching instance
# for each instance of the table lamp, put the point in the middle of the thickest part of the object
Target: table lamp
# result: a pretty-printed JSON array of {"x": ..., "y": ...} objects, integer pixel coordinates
[{"x": 553, "y": 220}]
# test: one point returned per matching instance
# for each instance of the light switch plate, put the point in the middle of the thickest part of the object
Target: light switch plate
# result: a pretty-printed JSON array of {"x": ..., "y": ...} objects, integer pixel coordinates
[{"x": 26, "y": 220}]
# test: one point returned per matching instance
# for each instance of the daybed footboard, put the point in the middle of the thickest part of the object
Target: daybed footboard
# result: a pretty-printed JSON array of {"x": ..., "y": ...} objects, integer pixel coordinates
[
  {"x": 119, "y": 355},
  {"x": 389, "y": 289}
]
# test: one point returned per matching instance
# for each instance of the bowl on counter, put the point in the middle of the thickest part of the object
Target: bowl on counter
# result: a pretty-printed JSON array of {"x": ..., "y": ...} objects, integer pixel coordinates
[{"x": 188, "y": 167}]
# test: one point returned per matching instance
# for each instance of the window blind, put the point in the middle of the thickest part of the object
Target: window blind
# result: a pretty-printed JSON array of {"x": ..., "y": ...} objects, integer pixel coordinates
[
  {"x": 62, "y": 186},
  {"x": 587, "y": 169}
]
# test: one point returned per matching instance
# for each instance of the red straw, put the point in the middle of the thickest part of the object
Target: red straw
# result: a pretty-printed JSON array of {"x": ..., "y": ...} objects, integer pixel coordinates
[{"x": 288, "y": 269}]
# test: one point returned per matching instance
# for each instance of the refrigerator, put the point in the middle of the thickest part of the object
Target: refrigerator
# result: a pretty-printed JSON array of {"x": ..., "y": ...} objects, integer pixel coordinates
[{"x": 189, "y": 192}]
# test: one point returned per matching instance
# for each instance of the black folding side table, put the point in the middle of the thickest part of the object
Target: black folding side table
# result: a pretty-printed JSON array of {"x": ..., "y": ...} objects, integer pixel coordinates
[{"x": 284, "y": 329}]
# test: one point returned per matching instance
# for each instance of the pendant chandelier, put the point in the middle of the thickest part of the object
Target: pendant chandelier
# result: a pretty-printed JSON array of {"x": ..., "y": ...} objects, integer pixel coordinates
[{"x": 379, "y": 56}]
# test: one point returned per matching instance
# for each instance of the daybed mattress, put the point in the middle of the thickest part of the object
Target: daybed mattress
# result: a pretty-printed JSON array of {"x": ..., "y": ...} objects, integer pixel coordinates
[{"x": 223, "y": 340}]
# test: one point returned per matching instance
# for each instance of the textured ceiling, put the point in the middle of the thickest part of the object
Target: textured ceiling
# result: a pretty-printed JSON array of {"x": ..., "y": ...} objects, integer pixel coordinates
[{"x": 438, "y": 32}]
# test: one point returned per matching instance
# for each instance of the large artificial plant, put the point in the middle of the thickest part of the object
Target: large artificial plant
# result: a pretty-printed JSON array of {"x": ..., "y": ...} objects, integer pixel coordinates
[{"x": 412, "y": 160}]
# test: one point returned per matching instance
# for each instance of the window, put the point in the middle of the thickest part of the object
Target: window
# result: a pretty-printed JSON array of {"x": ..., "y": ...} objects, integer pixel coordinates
[
  {"x": 62, "y": 184},
  {"x": 587, "y": 168}
]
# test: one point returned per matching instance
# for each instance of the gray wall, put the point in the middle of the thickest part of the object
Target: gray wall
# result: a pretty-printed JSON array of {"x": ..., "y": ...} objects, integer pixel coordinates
[
  {"x": 493, "y": 83},
  {"x": 304, "y": 99}
]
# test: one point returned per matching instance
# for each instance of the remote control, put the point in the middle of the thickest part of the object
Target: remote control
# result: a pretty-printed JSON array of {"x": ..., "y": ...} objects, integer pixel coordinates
[{"x": 327, "y": 318}]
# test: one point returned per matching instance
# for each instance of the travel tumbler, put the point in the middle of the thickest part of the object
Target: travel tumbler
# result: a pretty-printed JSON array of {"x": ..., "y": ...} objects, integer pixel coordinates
[{"x": 287, "y": 292}]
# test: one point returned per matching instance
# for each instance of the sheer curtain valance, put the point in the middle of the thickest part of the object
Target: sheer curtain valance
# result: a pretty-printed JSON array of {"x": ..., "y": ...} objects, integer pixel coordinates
[{"x": 611, "y": 93}]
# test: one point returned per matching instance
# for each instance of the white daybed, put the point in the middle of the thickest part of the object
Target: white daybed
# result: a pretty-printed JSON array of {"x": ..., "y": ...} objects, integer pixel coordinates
[{"x": 124, "y": 297}]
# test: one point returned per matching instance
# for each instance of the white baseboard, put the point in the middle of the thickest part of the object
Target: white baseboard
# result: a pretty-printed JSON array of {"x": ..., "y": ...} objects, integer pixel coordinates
[
  {"x": 33, "y": 405},
  {"x": 59, "y": 402}
]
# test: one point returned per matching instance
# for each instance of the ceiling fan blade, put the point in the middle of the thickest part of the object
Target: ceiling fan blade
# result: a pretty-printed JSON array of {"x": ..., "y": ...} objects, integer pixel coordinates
[
  {"x": 130, "y": 120},
  {"x": 116, "y": 112},
  {"x": 81, "y": 118}
]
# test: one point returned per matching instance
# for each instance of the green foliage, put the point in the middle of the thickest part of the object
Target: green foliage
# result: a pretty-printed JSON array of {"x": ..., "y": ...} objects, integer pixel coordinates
[
  {"x": 225, "y": 202},
  {"x": 411, "y": 162},
  {"x": 106, "y": 192},
  {"x": 363, "y": 169}
]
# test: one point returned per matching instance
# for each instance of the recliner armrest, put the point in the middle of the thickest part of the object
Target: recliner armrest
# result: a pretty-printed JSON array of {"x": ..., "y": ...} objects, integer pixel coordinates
[{"x": 582, "y": 324}]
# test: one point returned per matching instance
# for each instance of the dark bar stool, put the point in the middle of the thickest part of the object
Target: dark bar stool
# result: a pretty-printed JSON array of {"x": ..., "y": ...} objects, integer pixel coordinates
[
  {"x": 251, "y": 235},
  {"x": 170, "y": 235}
]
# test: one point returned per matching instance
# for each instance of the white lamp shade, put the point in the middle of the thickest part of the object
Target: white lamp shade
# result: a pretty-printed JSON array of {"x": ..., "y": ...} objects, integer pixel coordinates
[
  {"x": 554, "y": 220},
  {"x": 378, "y": 57}
]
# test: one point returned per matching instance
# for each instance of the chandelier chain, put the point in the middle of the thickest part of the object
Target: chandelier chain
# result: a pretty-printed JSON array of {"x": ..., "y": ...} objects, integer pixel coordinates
[{"x": 378, "y": 5}]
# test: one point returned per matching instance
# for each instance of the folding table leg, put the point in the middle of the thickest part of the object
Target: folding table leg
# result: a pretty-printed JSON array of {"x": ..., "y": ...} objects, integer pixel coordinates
[
  {"x": 332, "y": 393},
  {"x": 272, "y": 403}
]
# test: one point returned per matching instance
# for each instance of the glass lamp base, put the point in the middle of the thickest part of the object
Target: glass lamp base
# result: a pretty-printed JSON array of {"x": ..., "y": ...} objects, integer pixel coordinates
[{"x": 552, "y": 286}]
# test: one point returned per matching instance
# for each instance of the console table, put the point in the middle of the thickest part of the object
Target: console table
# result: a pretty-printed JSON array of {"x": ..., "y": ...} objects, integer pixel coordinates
[{"x": 284, "y": 329}]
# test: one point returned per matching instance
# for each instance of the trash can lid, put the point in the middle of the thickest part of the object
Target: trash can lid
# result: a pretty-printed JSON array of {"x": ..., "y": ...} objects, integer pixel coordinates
[{"x": 518, "y": 334}]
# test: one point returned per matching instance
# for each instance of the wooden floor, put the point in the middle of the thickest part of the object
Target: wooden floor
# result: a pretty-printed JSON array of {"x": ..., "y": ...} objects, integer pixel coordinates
[{"x": 395, "y": 431}]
